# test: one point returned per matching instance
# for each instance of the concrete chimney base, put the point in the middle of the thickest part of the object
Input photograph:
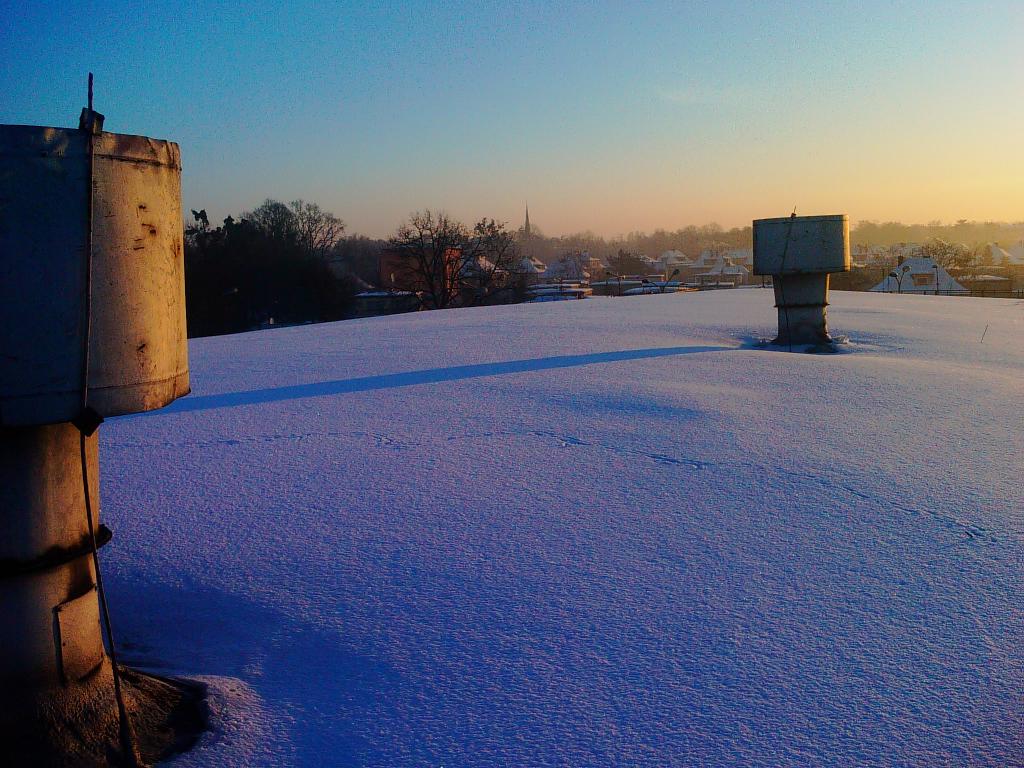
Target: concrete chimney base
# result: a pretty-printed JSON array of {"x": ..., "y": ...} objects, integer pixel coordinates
[
  {"x": 57, "y": 705},
  {"x": 78, "y": 727},
  {"x": 801, "y": 301}
]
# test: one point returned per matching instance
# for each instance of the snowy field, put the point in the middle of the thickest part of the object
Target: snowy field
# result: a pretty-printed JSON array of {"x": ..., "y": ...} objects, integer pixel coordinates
[{"x": 609, "y": 532}]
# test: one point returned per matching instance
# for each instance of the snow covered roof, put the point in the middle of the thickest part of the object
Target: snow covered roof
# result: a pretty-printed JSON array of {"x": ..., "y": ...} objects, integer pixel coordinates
[
  {"x": 918, "y": 275},
  {"x": 586, "y": 533},
  {"x": 988, "y": 279},
  {"x": 712, "y": 257},
  {"x": 674, "y": 258},
  {"x": 571, "y": 267},
  {"x": 723, "y": 267},
  {"x": 478, "y": 264},
  {"x": 1002, "y": 258},
  {"x": 742, "y": 256},
  {"x": 531, "y": 266}
]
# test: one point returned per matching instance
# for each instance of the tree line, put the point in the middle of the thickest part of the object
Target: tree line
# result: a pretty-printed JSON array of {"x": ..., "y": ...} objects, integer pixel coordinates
[
  {"x": 267, "y": 266},
  {"x": 961, "y": 233},
  {"x": 691, "y": 240},
  {"x": 294, "y": 263}
]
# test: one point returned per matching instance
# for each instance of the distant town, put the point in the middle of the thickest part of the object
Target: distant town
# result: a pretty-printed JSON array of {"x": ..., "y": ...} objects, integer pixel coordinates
[{"x": 287, "y": 264}]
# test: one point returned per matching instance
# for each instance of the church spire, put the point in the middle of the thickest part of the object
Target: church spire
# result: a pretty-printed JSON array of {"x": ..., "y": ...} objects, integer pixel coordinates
[{"x": 526, "y": 226}]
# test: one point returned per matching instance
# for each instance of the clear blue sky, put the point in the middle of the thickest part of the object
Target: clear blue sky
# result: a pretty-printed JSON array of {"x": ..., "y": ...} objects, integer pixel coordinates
[{"x": 610, "y": 117}]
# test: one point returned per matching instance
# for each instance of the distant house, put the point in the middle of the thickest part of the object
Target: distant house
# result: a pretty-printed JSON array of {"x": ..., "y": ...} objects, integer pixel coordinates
[
  {"x": 1017, "y": 253},
  {"x": 995, "y": 269},
  {"x": 711, "y": 256},
  {"x": 982, "y": 284},
  {"x": 672, "y": 259},
  {"x": 920, "y": 275},
  {"x": 1015, "y": 266},
  {"x": 724, "y": 272},
  {"x": 689, "y": 270},
  {"x": 744, "y": 256},
  {"x": 730, "y": 276},
  {"x": 531, "y": 268},
  {"x": 716, "y": 266},
  {"x": 707, "y": 258},
  {"x": 596, "y": 265},
  {"x": 999, "y": 257},
  {"x": 572, "y": 266},
  {"x": 473, "y": 268}
]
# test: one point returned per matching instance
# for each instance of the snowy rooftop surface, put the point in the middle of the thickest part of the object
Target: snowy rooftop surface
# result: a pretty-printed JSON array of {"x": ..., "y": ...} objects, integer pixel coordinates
[{"x": 601, "y": 532}]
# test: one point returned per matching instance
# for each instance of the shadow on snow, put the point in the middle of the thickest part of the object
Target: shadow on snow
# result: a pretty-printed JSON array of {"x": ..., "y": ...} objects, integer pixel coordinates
[{"x": 428, "y": 376}]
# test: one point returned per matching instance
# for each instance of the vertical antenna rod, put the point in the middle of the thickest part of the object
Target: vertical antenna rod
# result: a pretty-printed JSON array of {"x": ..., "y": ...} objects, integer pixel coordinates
[{"x": 87, "y": 423}]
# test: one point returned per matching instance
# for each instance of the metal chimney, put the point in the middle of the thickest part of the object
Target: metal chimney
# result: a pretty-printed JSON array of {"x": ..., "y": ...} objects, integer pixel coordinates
[
  {"x": 92, "y": 307},
  {"x": 800, "y": 252}
]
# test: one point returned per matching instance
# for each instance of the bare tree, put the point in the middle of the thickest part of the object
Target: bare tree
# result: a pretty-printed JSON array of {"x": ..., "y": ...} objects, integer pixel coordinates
[
  {"x": 318, "y": 230},
  {"x": 447, "y": 263},
  {"x": 359, "y": 256},
  {"x": 428, "y": 254},
  {"x": 307, "y": 224},
  {"x": 946, "y": 255},
  {"x": 274, "y": 219},
  {"x": 489, "y": 259}
]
